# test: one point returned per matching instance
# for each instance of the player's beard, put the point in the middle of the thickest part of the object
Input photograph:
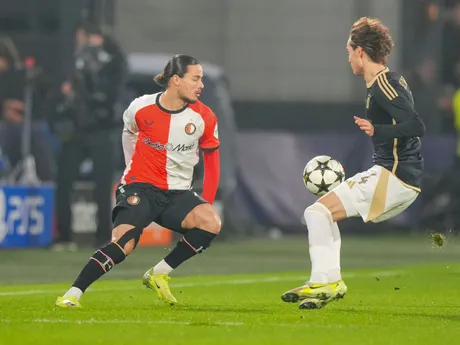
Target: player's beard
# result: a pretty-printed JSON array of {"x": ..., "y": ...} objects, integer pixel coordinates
[{"x": 188, "y": 100}]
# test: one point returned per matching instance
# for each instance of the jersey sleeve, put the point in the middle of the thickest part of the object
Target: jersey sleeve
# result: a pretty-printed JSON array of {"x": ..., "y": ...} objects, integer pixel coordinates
[
  {"x": 128, "y": 140},
  {"x": 210, "y": 138},
  {"x": 129, "y": 117},
  {"x": 211, "y": 160},
  {"x": 393, "y": 98}
]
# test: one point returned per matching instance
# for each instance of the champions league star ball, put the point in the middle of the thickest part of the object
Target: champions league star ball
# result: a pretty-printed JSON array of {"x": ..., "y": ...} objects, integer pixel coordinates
[{"x": 323, "y": 174}]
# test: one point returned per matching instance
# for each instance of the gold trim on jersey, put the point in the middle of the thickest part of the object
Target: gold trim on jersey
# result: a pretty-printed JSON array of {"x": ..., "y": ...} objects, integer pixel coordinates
[
  {"x": 408, "y": 185},
  {"x": 385, "y": 70},
  {"x": 395, "y": 164},
  {"x": 379, "y": 198},
  {"x": 386, "y": 88},
  {"x": 392, "y": 89},
  {"x": 395, "y": 153}
]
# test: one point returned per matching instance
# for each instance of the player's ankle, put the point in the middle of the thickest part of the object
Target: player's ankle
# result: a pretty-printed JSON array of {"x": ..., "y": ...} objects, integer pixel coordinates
[
  {"x": 318, "y": 278},
  {"x": 74, "y": 292},
  {"x": 162, "y": 268},
  {"x": 334, "y": 275}
]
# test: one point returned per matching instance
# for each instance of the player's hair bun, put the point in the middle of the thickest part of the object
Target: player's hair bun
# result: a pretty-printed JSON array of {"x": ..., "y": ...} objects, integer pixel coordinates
[
  {"x": 161, "y": 80},
  {"x": 177, "y": 65}
]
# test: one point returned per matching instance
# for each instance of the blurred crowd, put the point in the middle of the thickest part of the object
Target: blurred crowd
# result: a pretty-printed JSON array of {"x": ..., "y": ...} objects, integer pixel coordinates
[
  {"x": 63, "y": 112},
  {"x": 433, "y": 64},
  {"x": 70, "y": 120},
  {"x": 73, "y": 119},
  {"x": 63, "y": 109}
]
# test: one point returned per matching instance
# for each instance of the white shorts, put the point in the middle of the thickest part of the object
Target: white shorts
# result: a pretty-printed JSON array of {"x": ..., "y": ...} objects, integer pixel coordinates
[{"x": 375, "y": 195}]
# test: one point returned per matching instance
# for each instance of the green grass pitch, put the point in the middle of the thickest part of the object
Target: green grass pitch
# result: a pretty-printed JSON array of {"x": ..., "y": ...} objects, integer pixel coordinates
[{"x": 401, "y": 291}]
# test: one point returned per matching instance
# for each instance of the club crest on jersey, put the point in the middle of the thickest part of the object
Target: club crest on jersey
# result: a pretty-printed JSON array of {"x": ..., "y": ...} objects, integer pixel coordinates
[
  {"x": 403, "y": 82},
  {"x": 133, "y": 200},
  {"x": 190, "y": 128},
  {"x": 368, "y": 101}
]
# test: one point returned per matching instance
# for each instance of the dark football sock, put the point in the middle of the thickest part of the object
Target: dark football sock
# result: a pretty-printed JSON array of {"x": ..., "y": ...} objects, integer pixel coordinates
[
  {"x": 195, "y": 241},
  {"x": 102, "y": 261}
]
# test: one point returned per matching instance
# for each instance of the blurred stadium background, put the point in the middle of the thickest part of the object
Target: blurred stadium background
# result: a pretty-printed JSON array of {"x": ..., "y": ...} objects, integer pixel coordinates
[{"x": 277, "y": 78}]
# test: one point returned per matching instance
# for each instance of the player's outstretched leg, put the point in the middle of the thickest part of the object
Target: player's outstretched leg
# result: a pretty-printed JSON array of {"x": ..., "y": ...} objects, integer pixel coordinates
[
  {"x": 319, "y": 223},
  {"x": 125, "y": 238},
  {"x": 203, "y": 224},
  {"x": 325, "y": 283}
]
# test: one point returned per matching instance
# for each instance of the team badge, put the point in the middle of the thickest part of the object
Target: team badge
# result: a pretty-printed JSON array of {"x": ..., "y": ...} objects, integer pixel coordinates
[
  {"x": 368, "y": 101},
  {"x": 190, "y": 128},
  {"x": 403, "y": 82},
  {"x": 133, "y": 200}
]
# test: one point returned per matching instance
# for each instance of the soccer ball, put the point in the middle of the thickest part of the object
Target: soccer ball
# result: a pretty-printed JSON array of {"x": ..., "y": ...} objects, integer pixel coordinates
[{"x": 322, "y": 174}]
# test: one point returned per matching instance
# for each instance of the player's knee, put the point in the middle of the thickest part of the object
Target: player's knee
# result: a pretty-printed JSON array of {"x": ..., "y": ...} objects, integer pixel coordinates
[
  {"x": 213, "y": 225},
  {"x": 129, "y": 247},
  {"x": 334, "y": 212},
  {"x": 126, "y": 236},
  {"x": 203, "y": 217},
  {"x": 109, "y": 256},
  {"x": 316, "y": 208},
  {"x": 210, "y": 221}
]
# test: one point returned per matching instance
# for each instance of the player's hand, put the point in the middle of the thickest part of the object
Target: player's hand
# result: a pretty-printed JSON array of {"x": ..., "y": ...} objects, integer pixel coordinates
[{"x": 364, "y": 125}]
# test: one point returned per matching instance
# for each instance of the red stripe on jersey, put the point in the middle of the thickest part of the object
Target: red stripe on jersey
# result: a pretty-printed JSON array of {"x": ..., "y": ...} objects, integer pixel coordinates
[
  {"x": 149, "y": 159},
  {"x": 211, "y": 160},
  {"x": 210, "y": 137}
]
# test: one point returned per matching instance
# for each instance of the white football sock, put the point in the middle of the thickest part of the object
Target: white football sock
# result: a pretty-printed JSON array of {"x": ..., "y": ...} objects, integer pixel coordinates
[
  {"x": 74, "y": 292},
  {"x": 319, "y": 222},
  {"x": 162, "y": 268},
  {"x": 334, "y": 272}
]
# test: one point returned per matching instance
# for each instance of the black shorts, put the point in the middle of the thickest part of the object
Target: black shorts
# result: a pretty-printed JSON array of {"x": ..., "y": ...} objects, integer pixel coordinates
[{"x": 139, "y": 204}]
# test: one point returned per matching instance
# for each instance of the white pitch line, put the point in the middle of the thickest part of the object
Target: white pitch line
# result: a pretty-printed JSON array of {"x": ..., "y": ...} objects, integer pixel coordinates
[
  {"x": 168, "y": 322},
  {"x": 94, "y": 321},
  {"x": 200, "y": 284},
  {"x": 171, "y": 322},
  {"x": 25, "y": 292}
]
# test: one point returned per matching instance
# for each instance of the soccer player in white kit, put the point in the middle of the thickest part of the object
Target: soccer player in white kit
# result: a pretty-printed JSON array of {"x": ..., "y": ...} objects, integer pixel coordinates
[{"x": 381, "y": 192}]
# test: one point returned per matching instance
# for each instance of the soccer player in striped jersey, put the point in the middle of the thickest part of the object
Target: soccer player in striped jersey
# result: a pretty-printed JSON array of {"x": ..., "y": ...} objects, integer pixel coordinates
[
  {"x": 383, "y": 191},
  {"x": 161, "y": 137}
]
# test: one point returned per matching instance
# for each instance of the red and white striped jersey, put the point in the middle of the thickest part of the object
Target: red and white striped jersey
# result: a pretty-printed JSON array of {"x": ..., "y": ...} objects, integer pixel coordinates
[{"x": 161, "y": 146}]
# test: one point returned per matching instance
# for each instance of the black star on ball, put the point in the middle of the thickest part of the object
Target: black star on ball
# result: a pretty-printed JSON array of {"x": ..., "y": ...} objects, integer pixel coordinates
[
  {"x": 340, "y": 175},
  {"x": 322, "y": 187},
  {"x": 322, "y": 166}
]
